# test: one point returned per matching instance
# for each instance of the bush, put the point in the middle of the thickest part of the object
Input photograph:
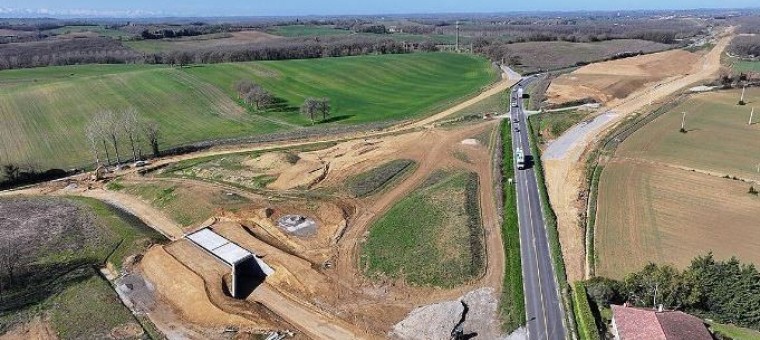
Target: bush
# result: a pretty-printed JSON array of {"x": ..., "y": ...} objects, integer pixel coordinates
[{"x": 587, "y": 327}]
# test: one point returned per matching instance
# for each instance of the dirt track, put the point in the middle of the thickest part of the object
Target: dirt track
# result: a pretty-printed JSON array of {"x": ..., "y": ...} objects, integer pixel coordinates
[{"x": 564, "y": 168}]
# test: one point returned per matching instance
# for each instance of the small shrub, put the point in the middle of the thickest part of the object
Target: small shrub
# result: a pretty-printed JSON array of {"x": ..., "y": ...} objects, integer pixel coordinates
[{"x": 752, "y": 190}]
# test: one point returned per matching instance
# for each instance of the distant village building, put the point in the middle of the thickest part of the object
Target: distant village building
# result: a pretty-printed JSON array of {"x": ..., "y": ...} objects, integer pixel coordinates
[
  {"x": 395, "y": 29},
  {"x": 632, "y": 323}
]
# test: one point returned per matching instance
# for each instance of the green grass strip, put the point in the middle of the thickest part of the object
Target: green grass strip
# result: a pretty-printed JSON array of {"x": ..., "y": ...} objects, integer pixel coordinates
[{"x": 512, "y": 306}]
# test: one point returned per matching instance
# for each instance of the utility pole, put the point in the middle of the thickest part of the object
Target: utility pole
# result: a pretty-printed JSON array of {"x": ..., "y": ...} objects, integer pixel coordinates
[
  {"x": 683, "y": 123},
  {"x": 741, "y": 100},
  {"x": 750, "y": 116},
  {"x": 457, "y": 45},
  {"x": 655, "y": 295}
]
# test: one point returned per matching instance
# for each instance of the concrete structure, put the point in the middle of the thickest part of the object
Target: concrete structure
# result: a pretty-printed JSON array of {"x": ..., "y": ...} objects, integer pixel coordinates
[
  {"x": 640, "y": 323},
  {"x": 246, "y": 267}
]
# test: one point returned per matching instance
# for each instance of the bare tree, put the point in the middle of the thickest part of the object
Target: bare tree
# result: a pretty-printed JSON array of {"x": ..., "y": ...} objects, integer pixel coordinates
[
  {"x": 93, "y": 137},
  {"x": 309, "y": 108},
  {"x": 259, "y": 97},
  {"x": 323, "y": 106},
  {"x": 100, "y": 127},
  {"x": 243, "y": 87},
  {"x": 152, "y": 133},
  {"x": 130, "y": 124},
  {"x": 110, "y": 124}
]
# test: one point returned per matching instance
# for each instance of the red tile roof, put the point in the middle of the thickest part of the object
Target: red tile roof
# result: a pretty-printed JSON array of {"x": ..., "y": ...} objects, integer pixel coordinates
[
  {"x": 645, "y": 324},
  {"x": 636, "y": 324}
]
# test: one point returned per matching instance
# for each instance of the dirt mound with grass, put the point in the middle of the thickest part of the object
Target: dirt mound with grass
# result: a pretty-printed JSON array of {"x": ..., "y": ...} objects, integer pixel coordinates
[{"x": 272, "y": 162}]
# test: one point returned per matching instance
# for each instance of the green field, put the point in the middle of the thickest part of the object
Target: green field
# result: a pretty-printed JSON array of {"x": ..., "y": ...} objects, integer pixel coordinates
[
  {"x": 361, "y": 89},
  {"x": 307, "y": 31},
  {"x": 745, "y": 66},
  {"x": 431, "y": 237},
  {"x": 45, "y": 110}
]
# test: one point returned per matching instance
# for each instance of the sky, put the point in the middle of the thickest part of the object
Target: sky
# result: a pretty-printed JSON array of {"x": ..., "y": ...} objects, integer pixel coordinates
[{"x": 138, "y": 8}]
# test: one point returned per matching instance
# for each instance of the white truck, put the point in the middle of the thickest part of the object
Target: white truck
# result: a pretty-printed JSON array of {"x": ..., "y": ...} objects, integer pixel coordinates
[{"x": 520, "y": 159}]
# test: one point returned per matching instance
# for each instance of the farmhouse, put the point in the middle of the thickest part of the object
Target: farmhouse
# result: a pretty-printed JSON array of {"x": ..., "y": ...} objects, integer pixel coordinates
[
  {"x": 247, "y": 269},
  {"x": 639, "y": 323}
]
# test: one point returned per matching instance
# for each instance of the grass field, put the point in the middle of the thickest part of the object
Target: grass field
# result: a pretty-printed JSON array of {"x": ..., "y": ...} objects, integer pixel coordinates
[
  {"x": 57, "y": 264},
  {"x": 307, "y": 31},
  {"x": 653, "y": 208},
  {"x": 45, "y": 110},
  {"x": 361, "y": 89},
  {"x": 745, "y": 66},
  {"x": 431, "y": 237},
  {"x": 185, "y": 204}
]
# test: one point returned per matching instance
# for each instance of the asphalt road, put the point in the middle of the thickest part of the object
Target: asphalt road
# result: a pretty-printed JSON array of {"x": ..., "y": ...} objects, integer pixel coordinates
[{"x": 544, "y": 310}]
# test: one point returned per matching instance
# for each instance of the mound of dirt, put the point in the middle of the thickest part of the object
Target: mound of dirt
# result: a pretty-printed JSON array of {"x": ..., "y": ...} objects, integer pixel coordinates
[
  {"x": 304, "y": 174},
  {"x": 272, "y": 163},
  {"x": 617, "y": 79}
]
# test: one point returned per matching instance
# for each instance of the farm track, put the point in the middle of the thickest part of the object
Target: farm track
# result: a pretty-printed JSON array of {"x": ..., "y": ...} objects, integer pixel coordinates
[{"x": 564, "y": 170}]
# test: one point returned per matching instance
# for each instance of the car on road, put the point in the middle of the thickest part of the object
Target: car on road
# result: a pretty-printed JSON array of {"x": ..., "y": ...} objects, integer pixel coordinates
[
  {"x": 517, "y": 128},
  {"x": 514, "y": 104}
]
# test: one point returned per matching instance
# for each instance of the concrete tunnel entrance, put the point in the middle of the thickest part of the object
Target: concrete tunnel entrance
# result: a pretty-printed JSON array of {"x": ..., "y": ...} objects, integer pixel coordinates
[{"x": 247, "y": 270}]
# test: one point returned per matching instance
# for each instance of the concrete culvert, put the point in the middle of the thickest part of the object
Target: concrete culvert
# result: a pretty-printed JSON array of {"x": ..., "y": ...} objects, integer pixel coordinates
[{"x": 298, "y": 225}]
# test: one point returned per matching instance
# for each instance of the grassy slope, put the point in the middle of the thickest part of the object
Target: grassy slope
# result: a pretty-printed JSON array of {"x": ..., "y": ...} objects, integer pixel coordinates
[
  {"x": 361, "y": 89},
  {"x": 307, "y": 31},
  {"x": 84, "y": 305},
  {"x": 425, "y": 237},
  {"x": 46, "y": 122},
  {"x": 554, "y": 124},
  {"x": 736, "y": 333},
  {"x": 185, "y": 205},
  {"x": 45, "y": 110}
]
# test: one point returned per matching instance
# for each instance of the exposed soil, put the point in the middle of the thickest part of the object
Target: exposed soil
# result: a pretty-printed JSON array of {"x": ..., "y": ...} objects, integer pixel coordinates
[
  {"x": 617, "y": 79},
  {"x": 38, "y": 328},
  {"x": 564, "y": 170}
]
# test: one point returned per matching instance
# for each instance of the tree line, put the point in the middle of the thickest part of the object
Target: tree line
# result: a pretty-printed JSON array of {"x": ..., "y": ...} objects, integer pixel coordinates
[
  {"x": 745, "y": 46},
  {"x": 110, "y": 51},
  {"x": 108, "y": 128},
  {"x": 724, "y": 291}
]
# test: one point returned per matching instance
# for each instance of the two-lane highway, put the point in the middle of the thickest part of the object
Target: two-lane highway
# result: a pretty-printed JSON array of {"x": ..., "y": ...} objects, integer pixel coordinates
[{"x": 544, "y": 310}]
